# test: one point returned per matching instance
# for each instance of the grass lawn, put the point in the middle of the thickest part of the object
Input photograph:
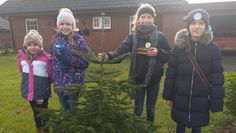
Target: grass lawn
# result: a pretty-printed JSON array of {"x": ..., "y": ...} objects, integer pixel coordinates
[{"x": 16, "y": 115}]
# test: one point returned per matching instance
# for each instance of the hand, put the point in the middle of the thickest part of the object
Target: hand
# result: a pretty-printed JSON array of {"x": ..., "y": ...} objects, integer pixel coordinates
[
  {"x": 169, "y": 102},
  {"x": 102, "y": 57},
  {"x": 153, "y": 51},
  {"x": 59, "y": 52}
]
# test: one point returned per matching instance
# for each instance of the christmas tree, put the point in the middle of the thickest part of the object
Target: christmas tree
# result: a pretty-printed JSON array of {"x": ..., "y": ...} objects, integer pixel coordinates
[{"x": 104, "y": 104}]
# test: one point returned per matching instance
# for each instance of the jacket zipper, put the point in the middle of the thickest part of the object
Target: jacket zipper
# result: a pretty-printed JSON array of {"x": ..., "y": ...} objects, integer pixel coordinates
[{"x": 191, "y": 89}]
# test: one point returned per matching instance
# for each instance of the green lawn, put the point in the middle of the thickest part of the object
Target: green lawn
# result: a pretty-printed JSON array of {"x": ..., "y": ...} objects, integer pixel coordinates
[{"x": 16, "y": 115}]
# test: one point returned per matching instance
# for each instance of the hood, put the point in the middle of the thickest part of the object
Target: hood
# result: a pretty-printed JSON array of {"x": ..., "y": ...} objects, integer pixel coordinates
[{"x": 180, "y": 38}]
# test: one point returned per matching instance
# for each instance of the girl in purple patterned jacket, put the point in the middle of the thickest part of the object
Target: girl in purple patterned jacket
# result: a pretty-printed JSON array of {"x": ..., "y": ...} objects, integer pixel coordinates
[{"x": 67, "y": 67}]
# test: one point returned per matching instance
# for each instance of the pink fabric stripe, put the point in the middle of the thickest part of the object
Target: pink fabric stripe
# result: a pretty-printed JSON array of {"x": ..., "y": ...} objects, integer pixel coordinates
[
  {"x": 20, "y": 57},
  {"x": 30, "y": 82}
]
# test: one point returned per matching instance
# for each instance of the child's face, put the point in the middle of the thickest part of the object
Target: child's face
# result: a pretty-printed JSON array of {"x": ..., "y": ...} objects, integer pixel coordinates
[
  {"x": 33, "y": 48},
  {"x": 146, "y": 19},
  {"x": 65, "y": 28},
  {"x": 197, "y": 28}
]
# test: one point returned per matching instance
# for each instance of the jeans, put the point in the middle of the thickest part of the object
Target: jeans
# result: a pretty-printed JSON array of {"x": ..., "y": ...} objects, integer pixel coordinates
[
  {"x": 181, "y": 129},
  {"x": 67, "y": 101},
  {"x": 152, "y": 93}
]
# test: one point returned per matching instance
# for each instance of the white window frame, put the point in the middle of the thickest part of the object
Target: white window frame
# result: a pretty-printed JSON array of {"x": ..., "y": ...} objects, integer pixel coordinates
[
  {"x": 97, "y": 23},
  {"x": 30, "y": 27},
  {"x": 131, "y": 19}
]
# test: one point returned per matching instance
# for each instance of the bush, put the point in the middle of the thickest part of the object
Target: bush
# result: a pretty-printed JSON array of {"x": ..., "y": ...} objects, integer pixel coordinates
[
  {"x": 104, "y": 105},
  {"x": 230, "y": 88},
  {"x": 5, "y": 51}
]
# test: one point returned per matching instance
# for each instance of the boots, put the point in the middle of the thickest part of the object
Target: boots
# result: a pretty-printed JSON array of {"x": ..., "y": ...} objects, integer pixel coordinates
[{"x": 39, "y": 130}]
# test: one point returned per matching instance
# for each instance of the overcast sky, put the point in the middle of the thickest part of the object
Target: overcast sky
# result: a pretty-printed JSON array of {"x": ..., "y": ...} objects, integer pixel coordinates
[
  {"x": 2, "y": 1},
  {"x": 207, "y": 1},
  {"x": 191, "y": 1}
]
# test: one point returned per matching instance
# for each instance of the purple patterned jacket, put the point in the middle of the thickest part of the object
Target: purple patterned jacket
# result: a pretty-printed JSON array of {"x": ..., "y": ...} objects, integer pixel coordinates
[{"x": 67, "y": 67}]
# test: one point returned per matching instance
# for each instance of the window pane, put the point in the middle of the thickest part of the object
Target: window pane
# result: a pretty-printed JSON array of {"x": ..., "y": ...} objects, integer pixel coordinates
[
  {"x": 107, "y": 23},
  {"x": 31, "y": 24}
]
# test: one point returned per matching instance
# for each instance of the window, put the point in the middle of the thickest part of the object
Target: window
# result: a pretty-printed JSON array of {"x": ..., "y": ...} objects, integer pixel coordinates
[
  {"x": 97, "y": 22},
  {"x": 131, "y": 18},
  {"x": 31, "y": 24}
]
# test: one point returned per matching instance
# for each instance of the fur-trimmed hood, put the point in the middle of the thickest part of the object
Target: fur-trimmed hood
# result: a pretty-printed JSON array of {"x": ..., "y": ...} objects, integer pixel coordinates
[{"x": 181, "y": 35}]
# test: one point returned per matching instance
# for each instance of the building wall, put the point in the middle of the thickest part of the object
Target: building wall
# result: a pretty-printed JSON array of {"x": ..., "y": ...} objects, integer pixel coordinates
[
  {"x": 46, "y": 28},
  {"x": 172, "y": 23},
  {"x": 168, "y": 22},
  {"x": 5, "y": 39},
  {"x": 112, "y": 38}
]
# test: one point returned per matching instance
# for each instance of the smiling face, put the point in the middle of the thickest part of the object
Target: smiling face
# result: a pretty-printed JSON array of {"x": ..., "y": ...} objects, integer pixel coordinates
[
  {"x": 197, "y": 28},
  {"x": 65, "y": 28},
  {"x": 33, "y": 48},
  {"x": 146, "y": 19}
]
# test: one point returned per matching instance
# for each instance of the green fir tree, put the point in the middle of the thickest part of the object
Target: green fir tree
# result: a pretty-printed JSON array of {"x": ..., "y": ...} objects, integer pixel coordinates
[{"x": 104, "y": 106}]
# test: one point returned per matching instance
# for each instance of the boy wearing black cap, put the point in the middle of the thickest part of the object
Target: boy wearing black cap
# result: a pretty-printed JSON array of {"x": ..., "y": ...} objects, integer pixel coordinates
[{"x": 184, "y": 89}]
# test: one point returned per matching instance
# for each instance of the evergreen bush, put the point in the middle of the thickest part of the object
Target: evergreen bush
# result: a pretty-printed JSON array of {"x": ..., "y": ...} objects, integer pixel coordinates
[
  {"x": 230, "y": 89},
  {"x": 104, "y": 105}
]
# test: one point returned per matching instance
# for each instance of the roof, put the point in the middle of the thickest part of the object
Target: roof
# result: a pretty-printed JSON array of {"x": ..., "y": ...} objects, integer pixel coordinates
[
  {"x": 13, "y": 7},
  {"x": 4, "y": 24}
]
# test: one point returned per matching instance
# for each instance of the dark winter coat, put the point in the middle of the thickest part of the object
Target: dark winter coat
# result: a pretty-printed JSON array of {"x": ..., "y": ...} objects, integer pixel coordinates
[
  {"x": 159, "y": 41},
  {"x": 183, "y": 86},
  {"x": 36, "y": 75}
]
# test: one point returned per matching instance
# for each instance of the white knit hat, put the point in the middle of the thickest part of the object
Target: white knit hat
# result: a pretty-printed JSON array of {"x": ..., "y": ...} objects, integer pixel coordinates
[
  {"x": 34, "y": 37},
  {"x": 66, "y": 16}
]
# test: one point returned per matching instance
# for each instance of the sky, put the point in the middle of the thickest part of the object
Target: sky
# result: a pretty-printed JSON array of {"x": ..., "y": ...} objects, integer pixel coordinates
[
  {"x": 191, "y": 1},
  {"x": 207, "y": 1},
  {"x": 2, "y": 1}
]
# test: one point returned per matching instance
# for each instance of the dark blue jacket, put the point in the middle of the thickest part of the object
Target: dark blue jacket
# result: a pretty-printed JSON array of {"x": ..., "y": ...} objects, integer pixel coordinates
[{"x": 191, "y": 100}]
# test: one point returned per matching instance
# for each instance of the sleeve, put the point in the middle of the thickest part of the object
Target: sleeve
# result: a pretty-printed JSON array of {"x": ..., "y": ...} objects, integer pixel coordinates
[
  {"x": 76, "y": 61},
  {"x": 49, "y": 68},
  {"x": 125, "y": 47},
  {"x": 171, "y": 74},
  {"x": 67, "y": 58},
  {"x": 217, "y": 81},
  {"x": 19, "y": 57},
  {"x": 164, "y": 50},
  {"x": 18, "y": 63}
]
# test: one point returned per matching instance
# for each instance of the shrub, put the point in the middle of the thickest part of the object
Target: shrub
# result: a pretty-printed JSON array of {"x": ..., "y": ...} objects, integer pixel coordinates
[
  {"x": 230, "y": 88},
  {"x": 104, "y": 105},
  {"x": 5, "y": 51}
]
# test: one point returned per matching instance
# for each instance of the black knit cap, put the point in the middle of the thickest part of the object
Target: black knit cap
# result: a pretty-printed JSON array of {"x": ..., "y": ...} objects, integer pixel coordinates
[
  {"x": 146, "y": 8},
  {"x": 197, "y": 14}
]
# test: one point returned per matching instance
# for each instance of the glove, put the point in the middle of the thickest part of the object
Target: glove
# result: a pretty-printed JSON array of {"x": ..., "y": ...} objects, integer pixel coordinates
[{"x": 59, "y": 49}]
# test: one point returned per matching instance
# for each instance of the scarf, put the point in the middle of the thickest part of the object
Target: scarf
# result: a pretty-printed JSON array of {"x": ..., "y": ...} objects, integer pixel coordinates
[{"x": 141, "y": 32}]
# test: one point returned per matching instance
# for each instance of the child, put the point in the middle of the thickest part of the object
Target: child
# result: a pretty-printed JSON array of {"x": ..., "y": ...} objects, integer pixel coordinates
[
  {"x": 35, "y": 67},
  {"x": 149, "y": 52},
  {"x": 67, "y": 67},
  {"x": 191, "y": 98}
]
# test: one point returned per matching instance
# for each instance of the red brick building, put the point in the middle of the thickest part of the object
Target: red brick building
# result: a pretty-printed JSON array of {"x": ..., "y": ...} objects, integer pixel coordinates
[
  {"x": 5, "y": 37},
  {"x": 41, "y": 15}
]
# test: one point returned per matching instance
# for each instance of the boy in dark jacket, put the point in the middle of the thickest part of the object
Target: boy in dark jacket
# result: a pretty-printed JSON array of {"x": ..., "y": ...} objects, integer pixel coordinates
[{"x": 184, "y": 89}]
